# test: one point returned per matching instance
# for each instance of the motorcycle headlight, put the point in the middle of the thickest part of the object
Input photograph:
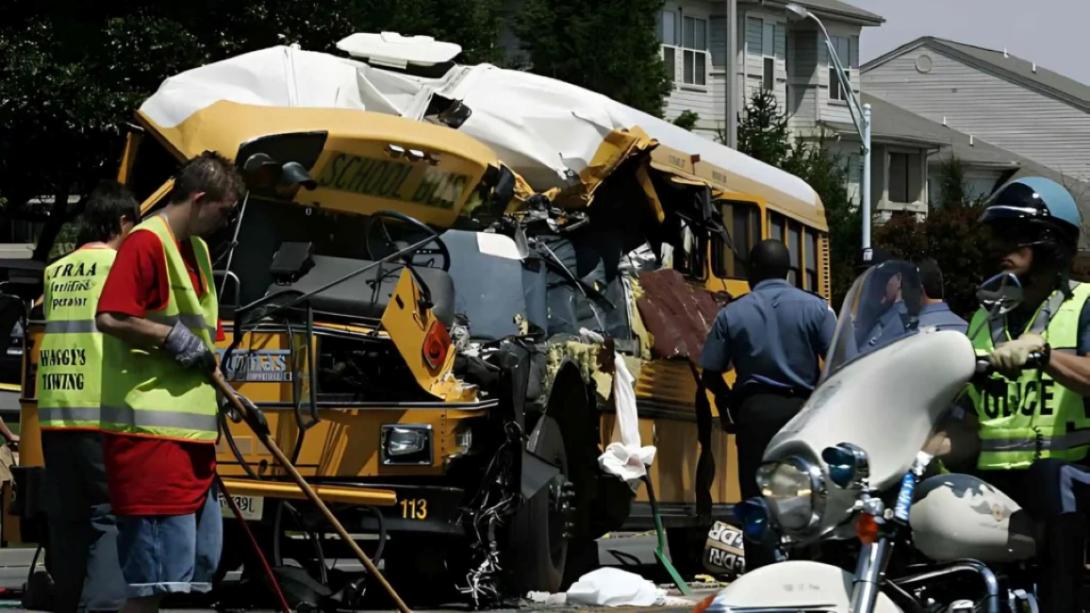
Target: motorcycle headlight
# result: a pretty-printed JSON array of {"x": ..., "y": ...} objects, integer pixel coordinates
[{"x": 794, "y": 490}]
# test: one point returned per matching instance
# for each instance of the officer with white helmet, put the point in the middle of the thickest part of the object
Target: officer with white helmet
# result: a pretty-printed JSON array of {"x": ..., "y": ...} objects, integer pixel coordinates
[{"x": 1033, "y": 424}]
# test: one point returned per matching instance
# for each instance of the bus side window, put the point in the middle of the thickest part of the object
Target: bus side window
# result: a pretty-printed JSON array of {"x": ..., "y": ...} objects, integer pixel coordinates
[
  {"x": 690, "y": 252},
  {"x": 794, "y": 247},
  {"x": 742, "y": 220},
  {"x": 811, "y": 260},
  {"x": 775, "y": 226}
]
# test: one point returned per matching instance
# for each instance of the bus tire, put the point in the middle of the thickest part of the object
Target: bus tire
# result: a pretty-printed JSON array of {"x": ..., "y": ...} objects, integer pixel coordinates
[{"x": 537, "y": 543}]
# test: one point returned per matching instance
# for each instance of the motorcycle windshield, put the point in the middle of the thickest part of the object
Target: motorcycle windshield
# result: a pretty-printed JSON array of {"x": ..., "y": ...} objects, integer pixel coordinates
[{"x": 880, "y": 309}]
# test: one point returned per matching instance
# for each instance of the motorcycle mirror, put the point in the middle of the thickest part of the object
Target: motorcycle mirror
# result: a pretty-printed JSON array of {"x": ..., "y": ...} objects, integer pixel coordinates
[{"x": 1000, "y": 294}]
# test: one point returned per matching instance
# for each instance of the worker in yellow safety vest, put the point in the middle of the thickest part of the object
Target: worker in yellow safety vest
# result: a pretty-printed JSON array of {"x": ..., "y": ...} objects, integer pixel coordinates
[
  {"x": 1032, "y": 418},
  {"x": 82, "y": 546},
  {"x": 160, "y": 314}
]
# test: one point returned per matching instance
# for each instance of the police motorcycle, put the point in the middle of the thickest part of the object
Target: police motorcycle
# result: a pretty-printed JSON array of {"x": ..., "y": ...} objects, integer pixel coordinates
[{"x": 855, "y": 472}]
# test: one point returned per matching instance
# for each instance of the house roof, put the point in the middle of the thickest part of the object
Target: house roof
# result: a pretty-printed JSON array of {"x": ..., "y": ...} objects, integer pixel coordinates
[
  {"x": 1002, "y": 64},
  {"x": 893, "y": 124},
  {"x": 833, "y": 8}
]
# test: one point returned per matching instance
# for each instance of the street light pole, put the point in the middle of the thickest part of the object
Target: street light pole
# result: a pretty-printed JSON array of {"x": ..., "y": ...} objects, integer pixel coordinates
[
  {"x": 861, "y": 119},
  {"x": 866, "y": 195},
  {"x": 730, "y": 86}
]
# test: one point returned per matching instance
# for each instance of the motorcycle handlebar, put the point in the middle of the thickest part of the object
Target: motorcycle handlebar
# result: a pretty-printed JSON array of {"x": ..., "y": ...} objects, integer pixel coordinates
[{"x": 1035, "y": 361}]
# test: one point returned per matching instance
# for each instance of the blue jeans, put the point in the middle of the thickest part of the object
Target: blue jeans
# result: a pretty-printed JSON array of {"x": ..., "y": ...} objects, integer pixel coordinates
[{"x": 171, "y": 554}]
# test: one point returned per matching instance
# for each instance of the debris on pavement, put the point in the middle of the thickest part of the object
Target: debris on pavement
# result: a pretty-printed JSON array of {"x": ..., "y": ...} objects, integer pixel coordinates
[{"x": 614, "y": 587}]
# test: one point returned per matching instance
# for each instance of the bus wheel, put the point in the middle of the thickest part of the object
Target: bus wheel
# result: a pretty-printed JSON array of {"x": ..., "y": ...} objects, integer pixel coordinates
[{"x": 538, "y": 538}]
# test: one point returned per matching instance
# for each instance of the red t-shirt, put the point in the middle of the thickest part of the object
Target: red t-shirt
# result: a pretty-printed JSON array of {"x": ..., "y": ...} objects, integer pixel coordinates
[{"x": 152, "y": 476}]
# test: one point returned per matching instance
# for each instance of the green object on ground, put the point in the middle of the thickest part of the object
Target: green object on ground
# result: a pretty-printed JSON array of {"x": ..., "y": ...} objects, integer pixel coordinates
[{"x": 660, "y": 547}]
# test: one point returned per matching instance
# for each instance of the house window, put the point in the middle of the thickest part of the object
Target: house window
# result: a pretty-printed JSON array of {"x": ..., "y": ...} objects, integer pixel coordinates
[
  {"x": 694, "y": 42},
  {"x": 847, "y": 51},
  {"x": 768, "y": 49},
  {"x": 668, "y": 35},
  {"x": 906, "y": 180},
  {"x": 898, "y": 177}
]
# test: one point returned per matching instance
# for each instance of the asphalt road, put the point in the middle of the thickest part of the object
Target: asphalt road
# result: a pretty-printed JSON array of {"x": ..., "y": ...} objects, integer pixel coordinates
[{"x": 632, "y": 552}]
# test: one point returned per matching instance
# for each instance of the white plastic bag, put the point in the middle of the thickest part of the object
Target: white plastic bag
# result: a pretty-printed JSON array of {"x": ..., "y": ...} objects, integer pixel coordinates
[{"x": 613, "y": 587}]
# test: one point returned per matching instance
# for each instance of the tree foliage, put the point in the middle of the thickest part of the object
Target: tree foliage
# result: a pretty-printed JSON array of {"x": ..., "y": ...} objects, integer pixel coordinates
[
  {"x": 952, "y": 236},
  {"x": 762, "y": 130},
  {"x": 952, "y": 190},
  {"x": 687, "y": 119},
  {"x": 72, "y": 73},
  {"x": 609, "y": 46}
]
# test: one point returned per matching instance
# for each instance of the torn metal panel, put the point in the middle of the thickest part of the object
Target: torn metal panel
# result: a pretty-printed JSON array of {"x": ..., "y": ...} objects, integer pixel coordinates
[
  {"x": 648, "y": 187},
  {"x": 617, "y": 147},
  {"x": 677, "y": 314}
]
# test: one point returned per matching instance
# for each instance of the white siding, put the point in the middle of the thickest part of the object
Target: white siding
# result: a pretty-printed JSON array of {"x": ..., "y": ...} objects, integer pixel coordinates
[{"x": 975, "y": 102}]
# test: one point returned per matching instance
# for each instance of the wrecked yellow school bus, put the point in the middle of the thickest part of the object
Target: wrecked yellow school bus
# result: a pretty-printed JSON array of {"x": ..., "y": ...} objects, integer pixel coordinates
[{"x": 434, "y": 339}]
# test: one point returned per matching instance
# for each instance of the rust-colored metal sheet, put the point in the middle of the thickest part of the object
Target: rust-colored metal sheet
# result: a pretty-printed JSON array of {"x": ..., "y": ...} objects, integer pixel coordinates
[{"x": 677, "y": 314}]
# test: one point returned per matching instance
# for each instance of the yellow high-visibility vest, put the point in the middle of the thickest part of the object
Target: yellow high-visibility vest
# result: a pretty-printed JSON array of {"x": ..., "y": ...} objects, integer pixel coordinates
[
  {"x": 147, "y": 392},
  {"x": 1032, "y": 417},
  {"x": 69, "y": 377}
]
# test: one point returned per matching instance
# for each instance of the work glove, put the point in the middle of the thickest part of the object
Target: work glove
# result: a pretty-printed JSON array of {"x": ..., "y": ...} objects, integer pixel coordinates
[
  {"x": 188, "y": 349},
  {"x": 1009, "y": 358}
]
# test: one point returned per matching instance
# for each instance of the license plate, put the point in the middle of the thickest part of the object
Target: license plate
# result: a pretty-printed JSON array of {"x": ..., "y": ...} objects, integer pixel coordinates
[{"x": 251, "y": 507}]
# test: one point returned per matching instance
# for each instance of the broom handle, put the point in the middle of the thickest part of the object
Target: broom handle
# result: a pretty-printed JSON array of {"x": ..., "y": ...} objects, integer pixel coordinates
[{"x": 232, "y": 397}]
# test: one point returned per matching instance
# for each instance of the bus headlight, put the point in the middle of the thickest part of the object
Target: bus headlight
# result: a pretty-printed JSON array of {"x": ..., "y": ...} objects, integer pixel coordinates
[
  {"x": 794, "y": 490},
  {"x": 406, "y": 444}
]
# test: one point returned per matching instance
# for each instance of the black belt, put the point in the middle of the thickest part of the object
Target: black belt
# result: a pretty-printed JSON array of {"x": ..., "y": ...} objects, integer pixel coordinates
[{"x": 752, "y": 389}]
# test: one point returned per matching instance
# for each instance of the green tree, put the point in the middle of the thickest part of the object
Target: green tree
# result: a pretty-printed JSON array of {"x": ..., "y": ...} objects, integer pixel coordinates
[
  {"x": 72, "y": 73},
  {"x": 762, "y": 130},
  {"x": 763, "y": 134},
  {"x": 608, "y": 46},
  {"x": 816, "y": 164},
  {"x": 687, "y": 119},
  {"x": 952, "y": 236},
  {"x": 952, "y": 190}
]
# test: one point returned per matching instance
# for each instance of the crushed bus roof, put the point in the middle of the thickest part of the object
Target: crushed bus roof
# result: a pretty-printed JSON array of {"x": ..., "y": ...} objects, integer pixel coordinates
[{"x": 547, "y": 131}]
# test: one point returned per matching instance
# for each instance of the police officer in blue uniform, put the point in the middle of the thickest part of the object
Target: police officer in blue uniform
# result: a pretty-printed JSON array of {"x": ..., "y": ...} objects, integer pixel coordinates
[
  {"x": 773, "y": 337},
  {"x": 911, "y": 294},
  {"x": 935, "y": 312}
]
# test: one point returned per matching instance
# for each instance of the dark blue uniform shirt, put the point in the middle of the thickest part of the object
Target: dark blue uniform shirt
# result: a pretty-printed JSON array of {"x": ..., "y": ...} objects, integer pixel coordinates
[
  {"x": 772, "y": 335},
  {"x": 891, "y": 325},
  {"x": 940, "y": 316}
]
